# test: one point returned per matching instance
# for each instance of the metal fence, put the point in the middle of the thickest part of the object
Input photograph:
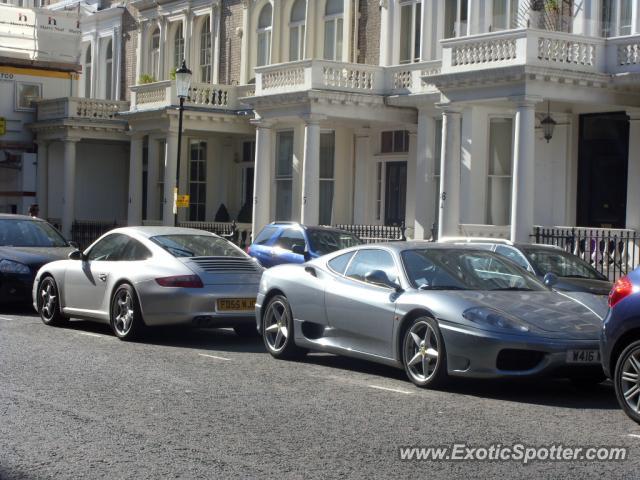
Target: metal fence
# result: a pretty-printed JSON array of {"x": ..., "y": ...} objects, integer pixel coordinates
[
  {"x": 240, "y": 235},
  {"x": 85, "y": 232},
  {"x": 375, "y": 233},
  {"x": 613, "y": 252}
]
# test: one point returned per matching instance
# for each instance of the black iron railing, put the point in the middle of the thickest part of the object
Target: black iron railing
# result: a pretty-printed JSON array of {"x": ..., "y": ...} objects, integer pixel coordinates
[
  {"x": 376, "y": 233},
  {"x": 85, "y": 232},
  {"x": 612, "y": 252},
  {"x": 231, "y": 231}
]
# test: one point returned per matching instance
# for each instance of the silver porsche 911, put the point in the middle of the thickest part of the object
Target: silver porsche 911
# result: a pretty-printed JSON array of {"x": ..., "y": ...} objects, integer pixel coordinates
[
  {"x": 144, "y": 276},
  {"x": 435, "y": 310}
]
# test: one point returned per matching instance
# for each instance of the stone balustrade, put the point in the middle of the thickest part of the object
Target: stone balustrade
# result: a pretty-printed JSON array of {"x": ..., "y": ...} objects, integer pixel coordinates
[
  {"x": 155, "y": 95},
  {"x": 86, "y": 108}
]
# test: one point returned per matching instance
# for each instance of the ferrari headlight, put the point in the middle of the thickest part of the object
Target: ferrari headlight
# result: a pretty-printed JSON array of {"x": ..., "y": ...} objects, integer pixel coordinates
[
  {"x": 9, "y": 266},
  {"x": 493, "y": 318}
]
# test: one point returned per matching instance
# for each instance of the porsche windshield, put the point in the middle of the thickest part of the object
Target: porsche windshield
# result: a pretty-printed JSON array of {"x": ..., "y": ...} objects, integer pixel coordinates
[{"x": 458, "y": 269}]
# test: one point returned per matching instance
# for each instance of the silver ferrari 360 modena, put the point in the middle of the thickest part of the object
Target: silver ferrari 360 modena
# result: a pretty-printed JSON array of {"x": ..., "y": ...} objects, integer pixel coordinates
[
  {"x": 145, "y": 276},
  {"x": 435, "y": 310}
]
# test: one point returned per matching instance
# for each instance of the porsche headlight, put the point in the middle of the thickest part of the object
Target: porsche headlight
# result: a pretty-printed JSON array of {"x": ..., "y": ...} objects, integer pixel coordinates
[
  {"x": 9, "y": 266},
  {"x": 493, "y": 318}
]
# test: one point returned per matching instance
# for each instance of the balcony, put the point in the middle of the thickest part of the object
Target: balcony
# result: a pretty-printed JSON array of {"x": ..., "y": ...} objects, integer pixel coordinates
[
  {"x": 79, "y": 108},
  {"x": 157, "y": 95},
  {"x": 541, "y": 48},
  {"x": 326, "y": 75}
]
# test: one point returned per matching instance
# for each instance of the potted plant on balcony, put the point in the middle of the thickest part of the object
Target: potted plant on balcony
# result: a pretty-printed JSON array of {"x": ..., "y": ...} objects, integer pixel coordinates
[{"x": 146, "y": 78}]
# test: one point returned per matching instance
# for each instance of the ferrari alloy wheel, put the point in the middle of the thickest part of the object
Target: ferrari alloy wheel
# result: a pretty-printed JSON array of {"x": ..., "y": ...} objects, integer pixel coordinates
[
  {"x": 277, "y": 329},
  {"x": 627, "y": 381},
  {"x": 423, "y": 353}
]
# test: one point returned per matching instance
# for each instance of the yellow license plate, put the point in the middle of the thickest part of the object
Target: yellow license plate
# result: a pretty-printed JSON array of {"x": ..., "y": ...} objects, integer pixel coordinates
[{"x": 236, "y": 304}]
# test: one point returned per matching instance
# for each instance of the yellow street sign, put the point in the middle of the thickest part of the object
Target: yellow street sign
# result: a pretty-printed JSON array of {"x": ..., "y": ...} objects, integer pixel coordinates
[
  {"x": 182, "y": 201},
  {"x": 3, "y": 125}
]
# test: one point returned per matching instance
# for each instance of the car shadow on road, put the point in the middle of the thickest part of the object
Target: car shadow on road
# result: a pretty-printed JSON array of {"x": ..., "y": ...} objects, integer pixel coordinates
[
  {"x": 17, "y": 309},
  {"x": 555, "y": 392}
]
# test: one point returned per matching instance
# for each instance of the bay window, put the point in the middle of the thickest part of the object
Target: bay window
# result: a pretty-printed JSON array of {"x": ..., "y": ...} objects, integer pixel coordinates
[
  {"x": 296, "y": 30},
  {"x": 265, "y": 20},
  {"x": 505, "y": 14},
  {"x": 618, "y": 17},
  {"x": 154, "y": 66},
  {"x": 333, "y": 25}
]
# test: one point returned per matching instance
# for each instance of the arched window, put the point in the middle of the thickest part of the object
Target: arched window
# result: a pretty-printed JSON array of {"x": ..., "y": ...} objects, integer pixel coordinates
[
  {"x": 154, "y": 65},
  {"x": 205, "y": 51},
  {"x": 296, "y": 30},
  {"x": 333, "y": 24},
  {"x": 264, "y": 35},
  {"x": 178, "y": 47},
  {"x": 109, "y": 70},
  {"x": 87, "y": 72}
]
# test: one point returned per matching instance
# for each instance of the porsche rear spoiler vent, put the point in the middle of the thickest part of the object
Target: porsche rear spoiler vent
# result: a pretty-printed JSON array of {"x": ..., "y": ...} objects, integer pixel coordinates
[{"x": 226, "y": 264}]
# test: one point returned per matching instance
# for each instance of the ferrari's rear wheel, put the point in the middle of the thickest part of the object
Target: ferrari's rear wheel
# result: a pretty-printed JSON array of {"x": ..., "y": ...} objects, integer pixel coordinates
[
  {"x": 424, "y": 354},
  {"x": 277, "y": 329},
  {"x": 627, "y": 381},
  {"x": 126, "y": 319},
  {"x": 49, "y": 303}
]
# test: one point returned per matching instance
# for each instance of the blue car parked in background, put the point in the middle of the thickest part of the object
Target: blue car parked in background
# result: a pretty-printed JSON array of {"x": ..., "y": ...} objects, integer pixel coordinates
[
  {"x": 620, "y": 342},
  {"x": 289, "y": 242}
]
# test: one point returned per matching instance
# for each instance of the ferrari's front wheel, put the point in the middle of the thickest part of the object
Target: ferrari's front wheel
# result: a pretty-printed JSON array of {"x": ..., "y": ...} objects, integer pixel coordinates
[
  {"x": 49, "y": 303},
  {"x": 424, "y": 355},
  {"x": 277, "y": 329}
]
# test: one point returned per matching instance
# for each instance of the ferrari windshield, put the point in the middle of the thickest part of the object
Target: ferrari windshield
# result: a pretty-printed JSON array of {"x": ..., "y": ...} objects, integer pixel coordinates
[
  {"x": 29, "y": 233},
  {"x": 461, "y": 269},
  {"x": 197, "y": 246},
  {"x": 563, "y": 264},
  {"x": 327, "y": 241}
]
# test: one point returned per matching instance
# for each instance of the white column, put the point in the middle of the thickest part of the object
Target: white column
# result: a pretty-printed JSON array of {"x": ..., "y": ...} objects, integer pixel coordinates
[
  {"x": 309, "y": 30},
  {"x": 386, "y": 33},
  {"x": 187, "y": 32},
  {"x": 347, "y": 37},
  {"x": 262, "y": 179},
  {"x": 42, "y": 174},
  {"x": 162, "y": 61},
  {"x": 361, "y": 184},
  {"x": 69, "y": 187},
  {"x": 152, "y": 178},
  {"x": 425, "y": 185},
  {"x": 244, "y": 48},
  {"x": 134, "y": 211},
  {"x": 522, "y": 194},
  {"x": 276, "y": 33},
  {"x": 215, "y": 43},
  {"x": 633, "y": 173},
  {"x": 411, "y": 207},
  {"x": 311, "y": 173},
  {"x": 170, "y": 161},
  {"x": 95, "y": 65},
  {"x": 449, "y": 221},
  {"x": 117, "y": 55}
]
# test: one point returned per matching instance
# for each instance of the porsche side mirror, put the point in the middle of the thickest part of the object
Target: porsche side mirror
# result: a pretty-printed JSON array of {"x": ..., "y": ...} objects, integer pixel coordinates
[
  {"x": 550, "y": 279},
  {"x": 76, "y": 255}
]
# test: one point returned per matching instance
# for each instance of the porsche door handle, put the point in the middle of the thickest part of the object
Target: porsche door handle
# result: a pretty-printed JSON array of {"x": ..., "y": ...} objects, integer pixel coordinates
[{"x": 103, "y": 277}]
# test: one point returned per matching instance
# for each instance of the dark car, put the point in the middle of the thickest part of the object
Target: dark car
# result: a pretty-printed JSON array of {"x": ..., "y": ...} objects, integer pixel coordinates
[
  {"x": 620, "y": 342},
  {"x": 289, "y": 242},
  {"x": 26, "y": 244},
  {"x": 573, "y": 274}
]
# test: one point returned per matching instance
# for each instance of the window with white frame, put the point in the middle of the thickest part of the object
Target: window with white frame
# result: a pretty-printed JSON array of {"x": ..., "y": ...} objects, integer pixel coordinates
[
  {"x": 178, "y": 46},
  {"x": 86, "y": 69},
  {"x": 265, "y": 20},
  {"x": 197, "y": 180},
  {"x": 456, "y": 18},
  {"x": 108, "y": 70},
  {"x": 333, "y": 26},
  {"x": 205, "y": 51},
  {"x": 154, "y": 67},
  {"x": 26, "y": 93},
  {"x": 327, "y": 167},
  {"x": 500, "y": 171},
  {"x": 410, "y": 30},
  {"x": 617, "y": 17},
  {"x": 296, "y": 30},
  {"x": 394, "y": 141},
  {"x": 504, "y": 15},
  {"x": 284, "y": 175}
]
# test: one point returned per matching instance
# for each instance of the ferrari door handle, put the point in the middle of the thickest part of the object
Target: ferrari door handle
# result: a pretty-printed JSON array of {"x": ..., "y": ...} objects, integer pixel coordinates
[{"x": 103, "y": 277}]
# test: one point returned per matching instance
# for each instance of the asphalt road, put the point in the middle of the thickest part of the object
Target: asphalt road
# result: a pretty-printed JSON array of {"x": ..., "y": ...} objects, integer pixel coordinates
[{"x": 78, "y": 403}]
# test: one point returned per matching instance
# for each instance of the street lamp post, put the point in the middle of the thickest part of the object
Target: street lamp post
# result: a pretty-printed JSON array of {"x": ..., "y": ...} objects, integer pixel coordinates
[{"x": 183, "y": 82}]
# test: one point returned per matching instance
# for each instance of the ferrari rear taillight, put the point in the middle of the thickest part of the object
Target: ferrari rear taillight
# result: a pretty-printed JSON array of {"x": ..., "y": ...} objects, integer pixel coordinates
[
  {"x": 621, "y": 289},
  {"x": 180, "y": 281}
]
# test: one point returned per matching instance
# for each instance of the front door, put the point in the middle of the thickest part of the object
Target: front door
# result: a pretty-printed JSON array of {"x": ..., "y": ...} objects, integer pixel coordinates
[
  {"x": 395, "y": 193},
  {"x": 602, "y": 170}
]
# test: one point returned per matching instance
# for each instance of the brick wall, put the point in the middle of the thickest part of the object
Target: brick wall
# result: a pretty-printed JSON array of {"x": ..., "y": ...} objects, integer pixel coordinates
[
  {"x": 369, "y": 32},
  {"x": 231, "y": 43},
  {"x": 128, "y": 53}
]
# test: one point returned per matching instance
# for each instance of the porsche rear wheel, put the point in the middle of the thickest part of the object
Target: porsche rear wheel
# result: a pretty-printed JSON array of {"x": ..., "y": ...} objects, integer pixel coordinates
[
  {"x": 126, "y": 318},
  {"x": 49, "y": 303}
]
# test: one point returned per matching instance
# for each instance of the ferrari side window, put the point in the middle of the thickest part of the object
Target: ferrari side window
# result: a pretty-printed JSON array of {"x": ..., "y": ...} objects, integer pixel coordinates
[
  {"x": 369, "y": 260},
  {"x": 339, "y": 264}
]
